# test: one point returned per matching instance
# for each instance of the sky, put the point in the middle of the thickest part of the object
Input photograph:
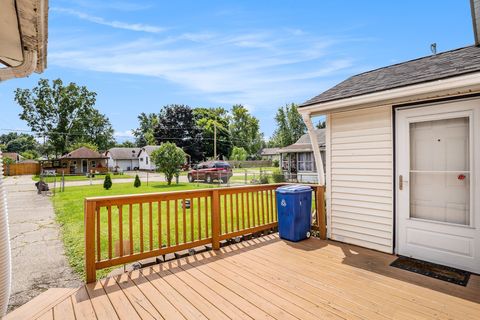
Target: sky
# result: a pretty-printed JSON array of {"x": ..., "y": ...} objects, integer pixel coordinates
[{"x": 141, "y": 55}]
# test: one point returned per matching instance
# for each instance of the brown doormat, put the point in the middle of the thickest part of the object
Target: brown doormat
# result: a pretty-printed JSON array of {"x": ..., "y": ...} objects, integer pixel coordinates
[{"x": 432, "y": 270}]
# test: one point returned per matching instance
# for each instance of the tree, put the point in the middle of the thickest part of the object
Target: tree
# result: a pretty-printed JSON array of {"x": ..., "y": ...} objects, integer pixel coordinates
[
  {"x": 245, "y": 130},
  {"x": 126, "y": 144},
  {"x": 144, "y": 134},
  {"x": 290, "y": 126},
  {"x": 177, "y": 124},
  {"x": 14, "y": 142},
  {"x": 31, "y": 154},
  {"x": 207, "y": 119},
  {"x": 78, "y": 145},
  {"x": 321, "y": 124},
  {"x": 137, "y": 183},
  {"x": 168, "y": 159},
  {"x": 64, "y": 114},
  {"x": 107, "y": 183},
  {"x": 239, "y": 154}
]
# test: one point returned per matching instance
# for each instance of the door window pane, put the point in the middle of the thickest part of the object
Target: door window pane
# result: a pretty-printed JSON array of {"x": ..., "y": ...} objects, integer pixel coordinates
[{"x": 440, "y": 170}]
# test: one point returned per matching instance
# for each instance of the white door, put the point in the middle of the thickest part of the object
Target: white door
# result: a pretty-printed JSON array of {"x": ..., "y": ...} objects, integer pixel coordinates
[{"x": 438, "y": 190}]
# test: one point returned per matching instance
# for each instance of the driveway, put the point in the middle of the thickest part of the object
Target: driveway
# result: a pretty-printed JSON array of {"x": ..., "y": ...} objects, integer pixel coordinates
[{"x": 38, "y": 257}]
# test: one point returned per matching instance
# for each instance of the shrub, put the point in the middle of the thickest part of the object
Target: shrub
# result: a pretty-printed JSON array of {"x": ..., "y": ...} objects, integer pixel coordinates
[
  {"x": 107, "y": 183},
  {"x": 263, "y": 178},
  {"x": 275, "y": 163},
  {"x": 278, "y": 176},
  {"x": 137, "y": 182},
  {"x": 169, "y": 158}
]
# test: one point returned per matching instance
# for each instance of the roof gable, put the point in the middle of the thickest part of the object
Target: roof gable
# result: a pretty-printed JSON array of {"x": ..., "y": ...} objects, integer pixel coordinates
[
  {"x": 83, "y": 153},
  {"x": 303, "y": 144},
  {"x": 434, "y": 67},
  {"x": 123, "y": 153}
]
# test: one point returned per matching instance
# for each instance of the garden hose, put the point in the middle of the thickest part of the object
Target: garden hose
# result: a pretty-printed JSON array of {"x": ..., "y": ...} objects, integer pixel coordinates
[{"x": 5, "y": 263}]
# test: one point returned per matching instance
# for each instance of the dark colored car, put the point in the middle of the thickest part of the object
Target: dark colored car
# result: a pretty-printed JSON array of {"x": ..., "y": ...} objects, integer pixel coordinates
[{"x": 209, "y": 171}]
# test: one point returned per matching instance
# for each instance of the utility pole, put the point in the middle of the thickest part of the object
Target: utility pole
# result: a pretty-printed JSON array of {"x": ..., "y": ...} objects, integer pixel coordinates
[{"x": 215, "y": 141}]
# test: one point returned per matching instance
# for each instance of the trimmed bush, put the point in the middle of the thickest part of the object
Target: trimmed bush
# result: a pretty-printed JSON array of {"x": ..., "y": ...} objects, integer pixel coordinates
[
  {"x": 107, "y": 183},
  {"x": 278, "y": 176},
  {"x": 137, "y": 182}
]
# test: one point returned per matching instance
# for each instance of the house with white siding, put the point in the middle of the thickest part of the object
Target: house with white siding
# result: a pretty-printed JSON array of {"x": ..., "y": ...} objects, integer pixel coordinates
[
  {"x": 123, "y": 159},
  {"x": 145, "y": 158},
  {"x": 297, "y": 161},
  {"x": 403, "y": 158}
]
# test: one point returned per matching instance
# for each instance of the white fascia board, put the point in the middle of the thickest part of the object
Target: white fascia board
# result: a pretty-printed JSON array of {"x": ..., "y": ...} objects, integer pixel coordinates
[{"x": 465, "y": 83}]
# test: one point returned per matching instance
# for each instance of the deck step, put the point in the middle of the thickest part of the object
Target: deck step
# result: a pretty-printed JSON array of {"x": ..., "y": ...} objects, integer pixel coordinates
[{"x": 41, "y": 303}]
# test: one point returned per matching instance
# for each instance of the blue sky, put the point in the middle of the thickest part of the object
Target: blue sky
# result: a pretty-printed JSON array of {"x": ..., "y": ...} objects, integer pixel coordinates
[{"x": 141, "y": 55}]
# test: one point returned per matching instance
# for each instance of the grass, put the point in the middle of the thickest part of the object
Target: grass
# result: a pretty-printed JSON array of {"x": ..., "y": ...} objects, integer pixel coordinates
[
  {"x": 253, "y": 170},
  {"x": 69, "y": 213},
  {"x": 50, "y": 179}
]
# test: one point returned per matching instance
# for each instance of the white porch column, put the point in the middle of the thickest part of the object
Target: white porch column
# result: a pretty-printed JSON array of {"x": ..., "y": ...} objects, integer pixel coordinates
[
  {"x": 5, "y": 259},
  {"x": 315, "y": 147}
]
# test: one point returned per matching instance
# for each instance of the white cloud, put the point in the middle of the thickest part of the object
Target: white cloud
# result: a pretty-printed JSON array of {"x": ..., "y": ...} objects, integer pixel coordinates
[
  {"x": 114, "y": 24},
  {"x": 258, "y": 68},
  {"x": 123, "y": 134}
]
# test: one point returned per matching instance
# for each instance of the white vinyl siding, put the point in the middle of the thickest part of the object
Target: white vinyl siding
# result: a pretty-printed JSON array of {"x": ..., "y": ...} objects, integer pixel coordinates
[{"x": 360, "y": 181}]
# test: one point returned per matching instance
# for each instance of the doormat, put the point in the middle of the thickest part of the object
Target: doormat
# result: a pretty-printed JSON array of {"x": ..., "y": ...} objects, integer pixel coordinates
[{"x": 432, "y": 270}]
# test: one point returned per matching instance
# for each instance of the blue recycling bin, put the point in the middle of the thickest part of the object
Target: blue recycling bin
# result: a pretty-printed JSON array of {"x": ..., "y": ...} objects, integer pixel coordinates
[{"x": 294, "y": 204}]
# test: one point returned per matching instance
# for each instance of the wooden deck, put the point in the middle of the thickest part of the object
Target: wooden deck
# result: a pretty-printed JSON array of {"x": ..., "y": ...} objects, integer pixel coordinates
[{"x": 265, "y": 278}]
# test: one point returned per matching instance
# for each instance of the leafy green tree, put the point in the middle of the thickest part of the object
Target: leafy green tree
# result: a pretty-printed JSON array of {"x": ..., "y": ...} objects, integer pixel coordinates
[
  {"x": 245, "y": 130},
  {"x": 321, "y": 124},
  {"x": 126, "y": 144},
  {"x": 137, "y": 183},
  {"x": 290, "y": 126},
  {"x": 31, "y": 154},
  {"x": 239, "y": 154},
  {"x": 177, "y": 124},
  {"x": 206, "y": 120},
  {"x": 168, "y": 160},
  {"x": 14, "y": 142},
  {"x": 144, "y": 134},
  {"x": 107, "y": 183},
  {"x": 79, "y": 144},
  {"x": 64, "y": 114}
]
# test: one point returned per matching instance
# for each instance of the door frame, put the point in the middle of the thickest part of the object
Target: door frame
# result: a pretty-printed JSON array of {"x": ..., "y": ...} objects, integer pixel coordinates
[{"x": 434, "y": 110}]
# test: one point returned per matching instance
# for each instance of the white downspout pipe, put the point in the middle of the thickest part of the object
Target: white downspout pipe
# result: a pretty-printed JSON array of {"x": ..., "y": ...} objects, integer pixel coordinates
[
  {"x": 315, "y": 147},
  {"x": 5, "y": 263}
]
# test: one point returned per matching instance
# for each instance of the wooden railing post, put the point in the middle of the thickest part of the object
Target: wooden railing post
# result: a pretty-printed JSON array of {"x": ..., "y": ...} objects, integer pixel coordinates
[
  {"x": 320, "y": 202},
  {"x": 90, "y": 270},
  {"x": 215, "y": 220}
]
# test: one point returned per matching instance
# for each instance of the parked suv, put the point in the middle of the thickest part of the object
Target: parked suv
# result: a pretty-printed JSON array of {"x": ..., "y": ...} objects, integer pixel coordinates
[{"x": 211, "y": 170}]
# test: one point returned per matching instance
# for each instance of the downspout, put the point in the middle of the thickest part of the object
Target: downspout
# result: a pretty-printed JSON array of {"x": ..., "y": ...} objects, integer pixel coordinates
[
  {"x": 5, "y": 258},
  {"x": 315, "y": 147}
]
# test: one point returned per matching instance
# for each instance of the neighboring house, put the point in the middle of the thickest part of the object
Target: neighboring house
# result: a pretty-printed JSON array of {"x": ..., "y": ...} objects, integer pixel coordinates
[
  {"x": 15, "y": 157},
  {"x": 79, "y": 161},
  {"x": 144, "y": 158},
  {"x": 270, "y": 154},
  {"x": 403, "y": 158},
  {"x": 123, "y": 159},
  {"x": 297, "y": 161}
]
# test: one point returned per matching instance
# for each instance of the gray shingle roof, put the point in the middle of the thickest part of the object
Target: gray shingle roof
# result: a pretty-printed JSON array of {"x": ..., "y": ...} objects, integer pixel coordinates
[
  {"x": 149, "y": 149},
  {"x": 123, "y": 153},
  {"x": 435, "y": 67},
  {"x": 303, "y": 144}
]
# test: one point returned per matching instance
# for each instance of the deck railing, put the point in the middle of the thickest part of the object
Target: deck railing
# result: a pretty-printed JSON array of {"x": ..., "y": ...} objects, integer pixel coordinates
[{"x": 125, "y": 229}]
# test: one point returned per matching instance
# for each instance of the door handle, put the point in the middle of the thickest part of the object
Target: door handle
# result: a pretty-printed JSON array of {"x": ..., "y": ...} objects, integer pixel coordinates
[{"x": 400, "y": 182}]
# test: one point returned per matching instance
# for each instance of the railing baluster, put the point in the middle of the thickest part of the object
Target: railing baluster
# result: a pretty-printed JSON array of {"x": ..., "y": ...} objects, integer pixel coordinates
[
  {"x": 130, "y": 227},
  {"x": 184, "y": 211},
  {"x": 257, "y": 209},
  {"x": 216, "y": 228},
  {"x": 192, "y": 220},
  {"x": 176, "y": 221},
  {"x": 231, "y": 212},
  {"x": 140, "y": 212},
  {"x": 199, "y": 217},
  {"x": 236, "y": 211},
  {"x": 248, "y": 208},
  {"x": 99, "y": 248},
  {"x": 90, "y": 216},
  {"x": 159, "y": 213},
  {"x": 120, "y": 228},
  {"x": 243, "y": 209},
  {"x": 225, "y": 214},
  {"x": 168, "y": 223},
  {"x": 206, "y": 217},
  {"x": 150, "y": 224},
  {"x": 109, "y": 221}
]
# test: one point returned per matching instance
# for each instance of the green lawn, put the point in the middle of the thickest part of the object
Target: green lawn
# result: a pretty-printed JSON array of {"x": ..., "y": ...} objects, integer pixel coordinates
[
  {"x": 254, "y": 170},
  {"x": 50, "y": 179}
]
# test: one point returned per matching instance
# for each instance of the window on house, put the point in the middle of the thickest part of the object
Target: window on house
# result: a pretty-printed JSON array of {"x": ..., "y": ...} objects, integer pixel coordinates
[
  {"x": 305, "y": 161},
  {"x": 94, "y": 164},
  {"x": 146, "y": 160},
  {"x": 74, "y": 163},
  {"x": 141, "y": 159}
]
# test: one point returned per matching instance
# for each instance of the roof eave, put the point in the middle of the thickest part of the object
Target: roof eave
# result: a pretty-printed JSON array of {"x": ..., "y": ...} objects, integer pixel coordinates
[{"x": 454, "y": 85}]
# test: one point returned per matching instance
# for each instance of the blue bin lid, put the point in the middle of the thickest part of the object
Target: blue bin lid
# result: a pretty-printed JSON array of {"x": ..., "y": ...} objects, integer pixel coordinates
[{"x": 294, "y": 188}]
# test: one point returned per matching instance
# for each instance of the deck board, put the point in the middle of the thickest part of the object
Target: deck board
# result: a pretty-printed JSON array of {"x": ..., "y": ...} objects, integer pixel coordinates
[{"x": 267, "y": 278}]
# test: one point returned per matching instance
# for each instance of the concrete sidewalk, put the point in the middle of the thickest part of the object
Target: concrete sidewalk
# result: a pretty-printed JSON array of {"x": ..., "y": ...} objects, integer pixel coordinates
[{"x": 38, "y": 256}]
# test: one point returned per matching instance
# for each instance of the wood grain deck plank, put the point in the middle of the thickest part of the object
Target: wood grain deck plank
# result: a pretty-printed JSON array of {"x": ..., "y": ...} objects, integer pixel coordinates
[
  {"x": 82, "y": 305},
  {"x": 64, "y": 310},
  {"x": 101, "y": 303},
  {"x": 123, "y": 307}
]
